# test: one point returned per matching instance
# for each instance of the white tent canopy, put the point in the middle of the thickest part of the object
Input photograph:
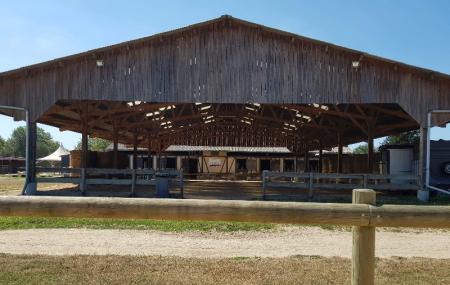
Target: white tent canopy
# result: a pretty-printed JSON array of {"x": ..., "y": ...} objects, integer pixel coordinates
[{"x": 55, "y": 156}]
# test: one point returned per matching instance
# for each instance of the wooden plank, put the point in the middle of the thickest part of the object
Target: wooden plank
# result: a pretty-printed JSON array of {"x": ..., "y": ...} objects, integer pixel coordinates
[
  {"x": 105, "y": 171},
  {"x": 410, "y": 177},
  {"x": 58, "y": 170},
  {"x": 99, "y": 181},
  {"x": 286, "y": 174},
  {"x": 58, "y": 180},
  {"x": 146, "y": 182},
  {"x": 222, "y": 210},
  {"x": 393, "y": 186},
  {"x": 301, "y": 186}
]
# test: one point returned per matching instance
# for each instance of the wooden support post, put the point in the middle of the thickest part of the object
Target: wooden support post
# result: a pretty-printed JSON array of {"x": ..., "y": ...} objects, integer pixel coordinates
[
  {"x": 306, "y": 160},
  {"x": 84, "y": 144},
  {"x": 82, "y": 185},
  {"x": 423, "y": 194},
  {"x": 340, "y": 150},
  {"x": 155, "y": 162},
  {"x": 179, "y": 164},
  {"x": 363, "y": 253},
  {"x": 264, "y": 180},
  {"x": 135, "y": 144},
  {"x": 133, "y": 183},
  {"x": 320, "y": 157},
  {"x": 149, "y": 154},
  {"x": 30, "y": 187},
  {"x": 115, "y": 147},
  {"x": 370, "y": 155},
  {"x": 181, "y": 183},
  {"x": 310, "y": 186}
]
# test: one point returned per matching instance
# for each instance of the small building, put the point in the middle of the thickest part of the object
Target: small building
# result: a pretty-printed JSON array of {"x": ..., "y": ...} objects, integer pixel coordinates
[
  {"x": 231, "y": 161},
  {"x": 11, "y": 164}
]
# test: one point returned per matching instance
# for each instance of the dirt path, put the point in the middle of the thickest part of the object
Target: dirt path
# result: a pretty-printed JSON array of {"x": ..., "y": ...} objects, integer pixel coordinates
[{"x": 281, "y": 243}]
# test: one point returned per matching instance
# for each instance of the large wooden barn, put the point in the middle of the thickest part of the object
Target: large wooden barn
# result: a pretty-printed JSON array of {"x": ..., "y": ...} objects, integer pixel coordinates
[{"x": 226, "y": 82}]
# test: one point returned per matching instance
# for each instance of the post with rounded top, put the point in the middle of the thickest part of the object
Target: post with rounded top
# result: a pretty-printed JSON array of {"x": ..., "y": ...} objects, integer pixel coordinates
[{"x": 363, "y": 252}]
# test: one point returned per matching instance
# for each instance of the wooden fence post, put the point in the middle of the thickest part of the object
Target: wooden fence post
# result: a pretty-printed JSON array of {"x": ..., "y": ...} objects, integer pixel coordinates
[{"x": 363, "y": 252}]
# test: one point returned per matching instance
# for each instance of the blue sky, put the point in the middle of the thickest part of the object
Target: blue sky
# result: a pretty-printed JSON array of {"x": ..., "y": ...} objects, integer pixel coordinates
[{"x": 411, "y": 31}]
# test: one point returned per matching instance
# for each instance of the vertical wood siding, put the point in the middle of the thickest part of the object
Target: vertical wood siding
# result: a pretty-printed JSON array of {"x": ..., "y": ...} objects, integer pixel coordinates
[{"x": 226, "y": 62}]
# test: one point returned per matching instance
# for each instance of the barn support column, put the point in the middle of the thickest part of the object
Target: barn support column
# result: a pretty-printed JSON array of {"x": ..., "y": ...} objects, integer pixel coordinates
[
  {"x": 135, "y": 143},
  {"x": 149, "y": 154},
  {"x": 30, "y": 181},
  {"x": 340, "y": 150},
  {"x": 423, "y": 194},
  {"x": 115, "y": 147},
  {"x": 179, "y": 162},
  {"x": 84, "y": 144},
  {"x": 370, "y": 153},
  {"x": 84, "y": 152},
  {"x": 320, "y": 157},
  {"x": 155, "y": 162},
  {"x": 306, "y": 160}
]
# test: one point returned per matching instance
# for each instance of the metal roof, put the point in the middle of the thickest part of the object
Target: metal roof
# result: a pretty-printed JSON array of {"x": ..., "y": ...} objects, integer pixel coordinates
[
  {"x": 175, "y": 148},
  {"x": 333, "y": 150},
  {"x": 123, "y": 147}
]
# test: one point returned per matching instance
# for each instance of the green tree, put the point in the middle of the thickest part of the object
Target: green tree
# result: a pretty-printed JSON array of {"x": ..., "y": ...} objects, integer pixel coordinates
[
  {"x": 361, "y": 149},
  {"x": 16, "y": 144},
  {"x": 95, "y": 144},
  {"x": 411, "y": 137}
]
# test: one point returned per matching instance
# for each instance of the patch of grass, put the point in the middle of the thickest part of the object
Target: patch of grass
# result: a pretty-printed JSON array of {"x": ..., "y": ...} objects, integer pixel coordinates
[
  {"x": 23, "y": 269},
  {"x": 15, "y": 223},
  {"x": 11, "y": 185},
  {"x": 443, "y": 200},
  {"x": 238, "y": 258}
]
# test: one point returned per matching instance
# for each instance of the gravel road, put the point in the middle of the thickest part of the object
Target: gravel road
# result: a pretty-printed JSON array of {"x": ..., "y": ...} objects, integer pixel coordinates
[{"x": 286, "y": 241}]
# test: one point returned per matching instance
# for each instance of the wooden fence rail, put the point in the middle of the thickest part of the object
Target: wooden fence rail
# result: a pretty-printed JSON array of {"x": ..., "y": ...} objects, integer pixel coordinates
[
  {"x": 363, "y": 215},
  {"x": 311, "y": 181},
  {"x": 103, "y": 176}
]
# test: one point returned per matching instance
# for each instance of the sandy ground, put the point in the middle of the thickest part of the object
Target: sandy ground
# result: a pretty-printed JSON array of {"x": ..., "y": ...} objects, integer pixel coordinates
[{"x": 287, "y": 241}]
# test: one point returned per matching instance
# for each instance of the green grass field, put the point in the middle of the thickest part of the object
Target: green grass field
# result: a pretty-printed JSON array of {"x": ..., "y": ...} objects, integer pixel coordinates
[{"x": 14, "y": 223}]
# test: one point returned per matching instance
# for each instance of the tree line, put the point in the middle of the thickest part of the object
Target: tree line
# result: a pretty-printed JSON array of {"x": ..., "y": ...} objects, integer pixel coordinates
[
  {"x": 411, "y": 138},
  {"x": 15, "y": 145}
]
